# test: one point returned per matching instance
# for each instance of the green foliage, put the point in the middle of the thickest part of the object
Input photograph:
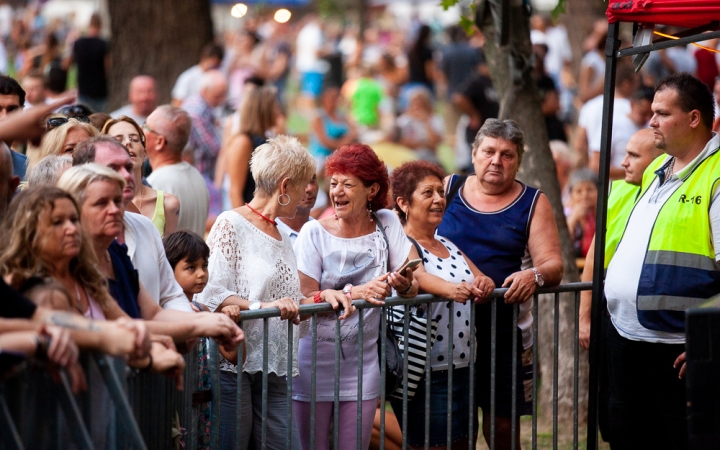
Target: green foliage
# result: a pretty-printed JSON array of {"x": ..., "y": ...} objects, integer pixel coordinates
[
  {"x": 467, "y": 22},
  {"x": 468, "y": 25},
  {"x": 559, "y": 9},
  {"x": 447, "y": 4}
]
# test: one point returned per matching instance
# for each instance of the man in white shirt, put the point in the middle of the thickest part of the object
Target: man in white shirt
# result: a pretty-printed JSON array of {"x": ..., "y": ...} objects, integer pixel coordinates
[
  {"x": 167, "y": 131},
  {"x": 291, "y": 225},
  {"x": 188, "y": 83},
  {"x": 589, "y": 130},
  {"x": 624, "y": 127},
  {"x": 144, "y": 247},
  {"x": 666, "y": 262},
  {"x": 143, "y": 98}
]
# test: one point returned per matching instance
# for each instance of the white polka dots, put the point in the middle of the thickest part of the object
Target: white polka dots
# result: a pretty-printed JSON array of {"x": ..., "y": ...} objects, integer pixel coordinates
[{"x": 455, "y": 270}]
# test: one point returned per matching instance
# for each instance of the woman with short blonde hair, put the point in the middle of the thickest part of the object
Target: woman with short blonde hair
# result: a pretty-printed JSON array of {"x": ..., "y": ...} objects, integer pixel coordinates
[
  {"x": 61, "y": 139},
  {"x": 252, "y": 265}
]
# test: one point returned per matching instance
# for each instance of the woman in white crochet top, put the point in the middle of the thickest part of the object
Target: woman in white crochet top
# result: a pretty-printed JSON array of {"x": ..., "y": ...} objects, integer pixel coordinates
[{"x": 252, "y": 265}]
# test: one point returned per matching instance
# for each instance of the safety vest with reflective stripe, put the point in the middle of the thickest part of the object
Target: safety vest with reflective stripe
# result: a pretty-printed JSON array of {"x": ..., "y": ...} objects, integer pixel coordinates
[
  {"x": 679, "y": 270},
  {"x": 620, "y": 204}
]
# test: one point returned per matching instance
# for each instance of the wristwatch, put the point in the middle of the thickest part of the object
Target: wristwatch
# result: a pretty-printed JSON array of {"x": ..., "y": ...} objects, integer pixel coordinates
[
  {"x": 539, "y": 280},
  {"x": 255, "y": 306},
  {"x": 347, "y": 290}
]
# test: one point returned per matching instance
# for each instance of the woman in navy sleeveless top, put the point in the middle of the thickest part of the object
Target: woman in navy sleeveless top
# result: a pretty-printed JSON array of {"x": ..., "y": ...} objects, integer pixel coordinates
[{"x": 508, "y": 231}]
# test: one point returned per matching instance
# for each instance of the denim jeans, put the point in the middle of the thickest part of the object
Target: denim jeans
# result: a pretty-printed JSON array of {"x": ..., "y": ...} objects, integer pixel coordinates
[{"x": 250, "y": 415}]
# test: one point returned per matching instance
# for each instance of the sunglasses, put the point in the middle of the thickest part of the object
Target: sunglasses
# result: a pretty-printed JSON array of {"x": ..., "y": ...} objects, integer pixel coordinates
[
  {"x": 55, "y": 122},
  {"x": 75, "y": 110}
]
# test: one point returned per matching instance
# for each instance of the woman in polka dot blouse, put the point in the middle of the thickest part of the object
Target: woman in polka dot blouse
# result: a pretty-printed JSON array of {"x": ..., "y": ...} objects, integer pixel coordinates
[{"x": 420, "y": 202}]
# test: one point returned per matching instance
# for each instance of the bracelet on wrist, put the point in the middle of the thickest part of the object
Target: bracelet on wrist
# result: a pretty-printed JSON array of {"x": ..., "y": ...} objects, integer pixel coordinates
[
  {"x": 317, "y": 298},
  {"x": 406, "y": 291}
]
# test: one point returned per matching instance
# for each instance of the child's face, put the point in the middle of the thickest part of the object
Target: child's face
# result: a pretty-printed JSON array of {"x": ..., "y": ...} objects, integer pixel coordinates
[
  {"x": 584, "y": 194},
  {"x": 192, "y": 275}
]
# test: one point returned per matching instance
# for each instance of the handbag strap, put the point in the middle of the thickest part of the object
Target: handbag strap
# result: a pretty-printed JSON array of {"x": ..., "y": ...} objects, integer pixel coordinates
[
  {"x": 384, "y": 235},
  {"x": 417, "y": 247}
]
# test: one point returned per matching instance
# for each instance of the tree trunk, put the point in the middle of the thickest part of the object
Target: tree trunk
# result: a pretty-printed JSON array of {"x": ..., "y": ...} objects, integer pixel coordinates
[
  {"x": 520, "y": 101},
  {"x": 160, "y": 38},
  {"x": 579, "y": 20}
]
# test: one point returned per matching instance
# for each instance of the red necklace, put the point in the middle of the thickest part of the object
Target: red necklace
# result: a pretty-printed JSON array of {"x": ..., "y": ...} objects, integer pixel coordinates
[{"x": 260, "y": 214}]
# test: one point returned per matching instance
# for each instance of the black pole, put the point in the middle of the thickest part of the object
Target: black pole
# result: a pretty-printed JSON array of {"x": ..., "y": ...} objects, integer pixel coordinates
[{"x": 598, "y": 308}]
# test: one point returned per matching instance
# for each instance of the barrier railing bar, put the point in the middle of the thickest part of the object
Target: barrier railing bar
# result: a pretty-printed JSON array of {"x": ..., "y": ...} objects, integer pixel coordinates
[
  {"x": 535, "y": 326},
  {"x": 576, "y": 366},
  {"x": 406, "y": 326},
  {"x": 8, "y": 431},
  {"x": 473, "y": 409},
  {"x": 266, "y": 339},
  {"x": 288, "y": 379},
  {"x": 313, "y": 379},
  {"x": 124, "y": 413},
  {"x": 336, "y": 397},
  {"x": 361, "y": 324},
  {"x": 428, "y": 349},
  {"x": 214, "y": 367},
  {"x": 72, "y": 414},
  {"x": 397, "y": 301},
  {"x": 238, "y": 399},
  {"x": 383, "y": 326},
  {"x": 556, "y": 355},
  {"x": 513, "y": 389},
  {"x": 451, "y": 336},
  {"x": 493, "y": 368},
  {"x": 192, "y": 377}
]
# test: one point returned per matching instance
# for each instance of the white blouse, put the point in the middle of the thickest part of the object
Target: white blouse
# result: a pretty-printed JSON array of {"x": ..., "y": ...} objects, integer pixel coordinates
[{"x": 247, "y": 263}]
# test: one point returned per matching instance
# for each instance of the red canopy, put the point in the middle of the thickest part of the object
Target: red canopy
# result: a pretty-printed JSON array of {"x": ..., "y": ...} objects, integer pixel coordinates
[{"x": 682, "y": 13}]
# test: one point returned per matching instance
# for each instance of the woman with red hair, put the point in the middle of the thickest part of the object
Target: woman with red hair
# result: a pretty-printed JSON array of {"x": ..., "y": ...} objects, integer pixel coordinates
[{"x": 353, "y": 252}]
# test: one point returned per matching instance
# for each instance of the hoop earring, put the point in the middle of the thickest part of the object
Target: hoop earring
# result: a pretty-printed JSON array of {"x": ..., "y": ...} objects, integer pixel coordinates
[{"x": 286, "y": 203}]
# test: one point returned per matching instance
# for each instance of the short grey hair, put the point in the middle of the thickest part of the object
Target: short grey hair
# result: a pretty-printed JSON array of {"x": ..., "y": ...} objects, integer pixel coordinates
[
  {"x": 76, "y": 179},
  {"x": 175, "y": 126},
  {"x": 47, "y": 172},
  {"x": 280, "y": 157},
  {"x": 211, "y": 79},
  {"x": 501, "y": 129},
  {"x": 582, "y": 176}
]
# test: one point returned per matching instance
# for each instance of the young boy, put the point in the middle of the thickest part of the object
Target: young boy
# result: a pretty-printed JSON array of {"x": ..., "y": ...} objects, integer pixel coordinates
[{"x": 188, "y": 256}]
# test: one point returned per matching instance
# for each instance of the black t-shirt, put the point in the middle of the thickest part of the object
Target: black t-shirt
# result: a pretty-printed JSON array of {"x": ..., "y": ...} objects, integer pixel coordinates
[
  {"x": 555, "y": 129},
  {"x": 13, "y": 305},
  {"x": 417, "y": 60},
  {"x": 482, "y": 95},
  {"x": 89, "y": 54}
]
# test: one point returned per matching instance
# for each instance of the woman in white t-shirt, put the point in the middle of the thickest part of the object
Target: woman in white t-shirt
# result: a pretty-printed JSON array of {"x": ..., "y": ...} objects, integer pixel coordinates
[
  {"x": 446, "y": 272},
  {"x": 349, "y": 252}
]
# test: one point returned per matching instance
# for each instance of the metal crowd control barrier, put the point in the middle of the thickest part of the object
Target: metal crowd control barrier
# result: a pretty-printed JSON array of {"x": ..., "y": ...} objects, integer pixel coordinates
[
  {"x": 122, "y": 410},
  {"x": 119, "y": 410},
  {"x": 314, "y": 310}
]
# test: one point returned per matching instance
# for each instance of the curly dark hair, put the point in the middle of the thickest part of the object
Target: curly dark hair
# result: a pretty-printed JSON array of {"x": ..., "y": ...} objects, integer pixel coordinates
[
  {"x": 361, "y": 161},
  {"x": 405, "y": 179}
]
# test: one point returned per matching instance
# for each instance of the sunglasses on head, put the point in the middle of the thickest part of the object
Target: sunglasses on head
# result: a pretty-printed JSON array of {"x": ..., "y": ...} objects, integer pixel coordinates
[
  {"x": 75, "y": 110},
  {"x": 55, "y": 122}
]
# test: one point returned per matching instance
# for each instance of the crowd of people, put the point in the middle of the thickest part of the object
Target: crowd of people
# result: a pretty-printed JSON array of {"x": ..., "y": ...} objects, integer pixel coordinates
[{"x": 145, "y": 231}]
